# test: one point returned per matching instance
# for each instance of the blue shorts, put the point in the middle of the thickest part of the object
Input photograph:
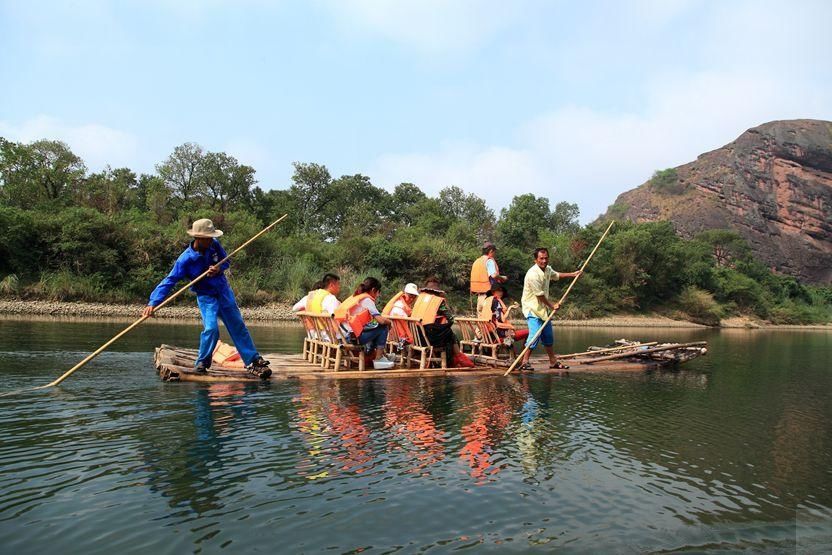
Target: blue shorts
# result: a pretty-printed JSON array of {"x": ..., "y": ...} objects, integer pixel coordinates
[{"x": 547, "y": 336}]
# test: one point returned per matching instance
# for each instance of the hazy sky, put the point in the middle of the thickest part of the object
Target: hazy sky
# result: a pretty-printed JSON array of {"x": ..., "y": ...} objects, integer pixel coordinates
[{"x": 577, "y": 101}]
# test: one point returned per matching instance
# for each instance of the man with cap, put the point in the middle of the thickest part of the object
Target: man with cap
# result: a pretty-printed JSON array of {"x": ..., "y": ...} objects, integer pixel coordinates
[
  {"x": 214, "y": 297},
  {"x": 485, "y": 273}
]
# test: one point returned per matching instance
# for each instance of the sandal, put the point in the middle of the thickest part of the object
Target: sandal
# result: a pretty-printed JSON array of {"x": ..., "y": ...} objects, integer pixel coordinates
[
  {"x": 559, "y": 365},
  {"x": 526, "y": 367}
]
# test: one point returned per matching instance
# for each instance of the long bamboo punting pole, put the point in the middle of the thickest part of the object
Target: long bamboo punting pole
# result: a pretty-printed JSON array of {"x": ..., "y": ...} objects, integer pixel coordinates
[
  {"x": 563, "y": 298},
  {"x": 98, "y": 351}
]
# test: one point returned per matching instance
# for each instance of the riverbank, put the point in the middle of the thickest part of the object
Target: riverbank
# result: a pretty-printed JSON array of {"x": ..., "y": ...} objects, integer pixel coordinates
[{"x": 282, "y": 312}]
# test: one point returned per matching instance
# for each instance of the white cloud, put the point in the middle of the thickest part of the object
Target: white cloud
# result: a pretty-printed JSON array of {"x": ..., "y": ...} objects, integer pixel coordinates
[
  {"x": 430, "y": 26},
  {"x": 98, "y": 145},
  {"x": 587, "y": 156}
]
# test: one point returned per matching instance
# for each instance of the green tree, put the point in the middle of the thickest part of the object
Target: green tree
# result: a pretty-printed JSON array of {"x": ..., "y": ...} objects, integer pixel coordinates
[
  {"x": 226, "y": 181},
  {"x": 526, "y": 219},
  {"x": 727, "y": 246},
  {"x": 309, "y": 187},
  {"x": 108, "y": 191},
  {"x": 40, "y": 172},
  {"x": 352, "y": 201},
  {"x": 467, "y": 208},
  {"x": 183, "y": 173}
]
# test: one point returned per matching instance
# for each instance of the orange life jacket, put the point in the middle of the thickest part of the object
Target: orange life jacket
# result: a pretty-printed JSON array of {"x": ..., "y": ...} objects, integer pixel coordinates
[
  {"x": 426, "y": 307},
  {"x": 480, "y": 283},
  {"x": 389, "y": 306},
  {"x": 401, "y": 327},
  {"x": 355, "y": 319},
  {"x": 488, "y": 314}
]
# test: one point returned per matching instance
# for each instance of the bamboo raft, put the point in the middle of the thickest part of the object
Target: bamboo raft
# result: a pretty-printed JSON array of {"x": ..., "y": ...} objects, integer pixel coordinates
[{"x": 176, "y": 364}]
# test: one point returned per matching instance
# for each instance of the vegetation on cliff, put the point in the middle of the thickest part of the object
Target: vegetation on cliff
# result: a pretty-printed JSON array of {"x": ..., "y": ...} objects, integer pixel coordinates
[{"x": 71, "y": 234}]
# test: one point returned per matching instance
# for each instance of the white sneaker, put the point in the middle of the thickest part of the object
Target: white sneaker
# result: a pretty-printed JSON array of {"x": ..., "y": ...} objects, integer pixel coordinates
[{"x": 382, "y": 363}]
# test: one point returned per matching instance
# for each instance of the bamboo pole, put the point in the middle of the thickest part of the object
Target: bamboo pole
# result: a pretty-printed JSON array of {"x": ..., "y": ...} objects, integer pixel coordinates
[
  {"x": 98, "y": 351},
  {"x": 608, "y": 350},
  {"x": 647, "y": 351},
  {"x": 563, "y": 298}
]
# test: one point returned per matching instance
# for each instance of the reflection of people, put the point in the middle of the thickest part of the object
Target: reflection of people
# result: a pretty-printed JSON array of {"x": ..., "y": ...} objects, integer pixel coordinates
[
  {"x": 492, "y": 412},
  {"x": 412, "y": 425},
  {"x": 536, "y": 306},
  {"x": 214, "y": 297}
]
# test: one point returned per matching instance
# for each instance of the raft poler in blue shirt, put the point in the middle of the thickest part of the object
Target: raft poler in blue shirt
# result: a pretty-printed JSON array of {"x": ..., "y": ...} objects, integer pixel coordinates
[{"x": 214, "y": 297}]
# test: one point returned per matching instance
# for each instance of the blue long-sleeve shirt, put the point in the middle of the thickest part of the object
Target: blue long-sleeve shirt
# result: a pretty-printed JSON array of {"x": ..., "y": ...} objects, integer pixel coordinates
[{"x": 189, "y": 265}]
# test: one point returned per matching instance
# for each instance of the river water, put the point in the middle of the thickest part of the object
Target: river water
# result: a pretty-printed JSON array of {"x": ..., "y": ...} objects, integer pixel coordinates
[{"x": 732, "y": 452}]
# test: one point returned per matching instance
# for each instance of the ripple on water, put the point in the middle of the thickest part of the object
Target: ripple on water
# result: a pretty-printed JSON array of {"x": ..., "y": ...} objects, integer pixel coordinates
[{"x": 120, "y": 461}]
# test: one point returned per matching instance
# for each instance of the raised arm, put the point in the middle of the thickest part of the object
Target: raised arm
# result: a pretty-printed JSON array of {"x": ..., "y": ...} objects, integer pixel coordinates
[{"x": 159, "y": 294}]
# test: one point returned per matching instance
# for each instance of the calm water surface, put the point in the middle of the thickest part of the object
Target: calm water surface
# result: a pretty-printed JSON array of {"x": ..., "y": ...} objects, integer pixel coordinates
[{"x": 732, "y": 453}]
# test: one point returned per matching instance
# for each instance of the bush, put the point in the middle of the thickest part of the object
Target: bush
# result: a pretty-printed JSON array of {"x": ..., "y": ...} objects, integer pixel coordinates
[
  {"x": 666, "y": 182},
  {"x": 793, "y": 313},
  {"x": 700, "y": 306},
  {"x": 9, "y": 285},
  {"x": 740, "y": 289}
]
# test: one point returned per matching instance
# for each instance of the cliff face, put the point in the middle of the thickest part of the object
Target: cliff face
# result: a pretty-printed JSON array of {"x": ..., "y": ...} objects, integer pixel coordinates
[{"x": 773, "y": 185}]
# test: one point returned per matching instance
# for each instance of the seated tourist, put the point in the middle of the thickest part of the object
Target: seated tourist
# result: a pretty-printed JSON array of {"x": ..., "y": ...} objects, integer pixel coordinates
[
  {"x": 323, "y": 298},
  {"x": 358, "y": 315},
  {"x": 401, "y": 305},
  {"x": 432, "y": 309},
  {"x": 495, "y": 310}
]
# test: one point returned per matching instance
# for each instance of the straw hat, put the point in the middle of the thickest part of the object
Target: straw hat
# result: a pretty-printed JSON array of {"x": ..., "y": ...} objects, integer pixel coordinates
[
  {"x": 204, "y": 228},
  {"x": 411, "y": 289}
]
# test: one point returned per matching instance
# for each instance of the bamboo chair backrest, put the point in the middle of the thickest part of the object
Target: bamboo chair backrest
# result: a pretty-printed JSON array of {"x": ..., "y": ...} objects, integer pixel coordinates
[
  {"x": 478, "y": 329},
  {"x": 467, "y": 328},
  {"x": 399, "y": 329},
  {"x": 321, "y": 327},
  {"x": 308, "y": 321},
  {"x": 415, "y": 330}
]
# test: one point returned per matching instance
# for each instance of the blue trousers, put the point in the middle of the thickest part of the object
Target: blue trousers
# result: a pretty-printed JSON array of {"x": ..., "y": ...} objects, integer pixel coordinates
[
  {"x": 224, "y": 307},
  {"x": 547, "y": 336},
  {"x": 374, "y": 338}
]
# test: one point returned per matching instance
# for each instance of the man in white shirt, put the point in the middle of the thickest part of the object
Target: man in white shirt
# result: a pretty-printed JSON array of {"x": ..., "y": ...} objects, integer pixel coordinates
[
  {"x": 323, "y": 300},
  {"x": 537, "y": 306}
]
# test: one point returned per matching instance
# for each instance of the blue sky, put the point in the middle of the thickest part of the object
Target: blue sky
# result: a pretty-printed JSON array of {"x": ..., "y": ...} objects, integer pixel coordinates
[{"x": 576, "y": 101}]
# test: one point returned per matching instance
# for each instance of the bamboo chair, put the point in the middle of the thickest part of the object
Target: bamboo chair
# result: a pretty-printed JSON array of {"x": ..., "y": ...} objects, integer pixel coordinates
[
  {"x": 325, "y": 344},
  {"x": 422, "y": 346},
  {"x": 313, "y": 343},
  {"x": 340, "y": 352},
  {"x": 481, "y": 337},
  {"x": 399, "y": 339}
]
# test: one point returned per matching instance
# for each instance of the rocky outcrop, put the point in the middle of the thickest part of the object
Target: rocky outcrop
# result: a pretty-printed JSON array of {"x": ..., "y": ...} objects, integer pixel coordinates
[{"x": 773, "y": 185}]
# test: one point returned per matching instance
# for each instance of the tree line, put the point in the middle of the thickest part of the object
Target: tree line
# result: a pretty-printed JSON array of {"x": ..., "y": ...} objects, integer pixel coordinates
[{"x": 72, "y": 234}]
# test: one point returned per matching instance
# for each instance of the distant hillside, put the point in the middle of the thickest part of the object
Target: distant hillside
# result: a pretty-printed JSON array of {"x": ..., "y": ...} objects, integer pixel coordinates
[{"x": 773, "y": 185}]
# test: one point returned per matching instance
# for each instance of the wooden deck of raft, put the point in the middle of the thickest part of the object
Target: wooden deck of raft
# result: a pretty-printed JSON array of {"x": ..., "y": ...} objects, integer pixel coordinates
[{"x": 176, "y": 364}]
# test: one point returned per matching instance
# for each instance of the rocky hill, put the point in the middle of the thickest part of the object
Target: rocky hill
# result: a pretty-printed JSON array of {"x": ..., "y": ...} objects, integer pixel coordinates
[{"x": 773, "y": 185}]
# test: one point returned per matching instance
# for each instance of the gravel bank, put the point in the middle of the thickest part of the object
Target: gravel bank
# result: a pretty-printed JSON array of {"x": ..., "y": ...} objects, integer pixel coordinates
[
  {"x": 274, "y": 312},
  {"x": 270, "y": 313},
  {"x": 282, "y": 312}
]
